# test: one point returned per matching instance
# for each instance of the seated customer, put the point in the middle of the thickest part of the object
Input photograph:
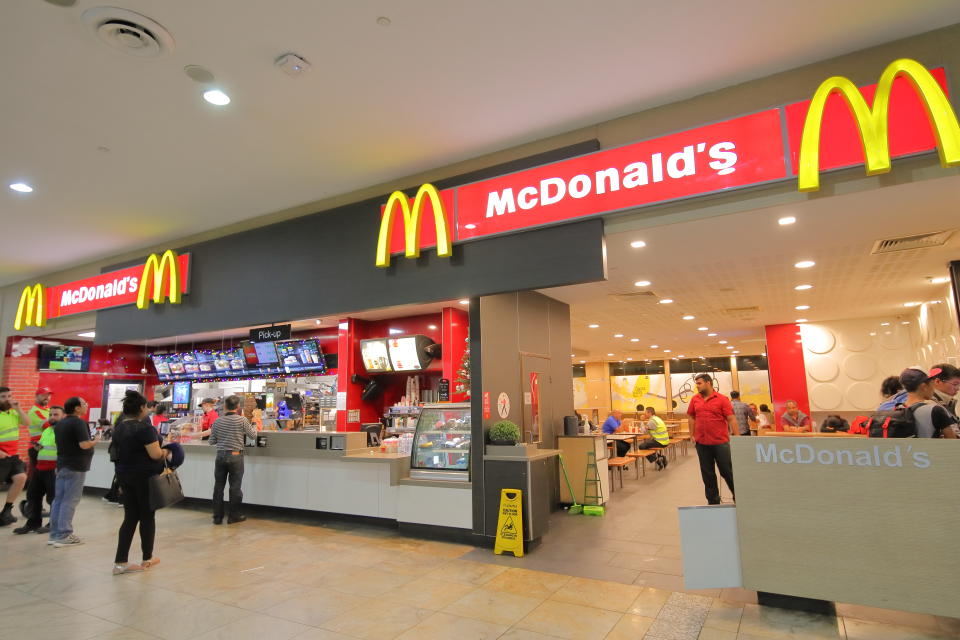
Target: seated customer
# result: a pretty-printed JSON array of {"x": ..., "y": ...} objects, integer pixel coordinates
[
  {"x": 659, "y": 437},
  {"x": 793, "y": 419},
  {"x": 834, "y": 423},
  {"x": 765, "y": 418},
  {"x": 613, "y": 425}
]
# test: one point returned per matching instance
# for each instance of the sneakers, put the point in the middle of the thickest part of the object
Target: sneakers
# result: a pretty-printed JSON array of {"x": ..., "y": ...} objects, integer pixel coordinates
[
  {"x": 7, "y": 518},
  {"x": 125, "y": 567},
  {"x": 70, "y": 541}
]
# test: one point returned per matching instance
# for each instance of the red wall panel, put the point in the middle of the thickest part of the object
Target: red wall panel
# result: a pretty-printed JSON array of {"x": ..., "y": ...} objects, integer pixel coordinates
[{"x": 788, "y": 374}]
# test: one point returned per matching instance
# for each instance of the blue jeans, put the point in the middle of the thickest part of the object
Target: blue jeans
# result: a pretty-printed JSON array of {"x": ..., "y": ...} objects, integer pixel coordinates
[{"x": 69, "y": 489}]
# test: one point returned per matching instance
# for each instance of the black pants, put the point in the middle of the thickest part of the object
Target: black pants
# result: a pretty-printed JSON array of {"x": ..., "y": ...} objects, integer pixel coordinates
[
  {"x": 42, "y": 484},
  {"x": 228, "y": 463},
  {"x": 719, "y": 454},
  {"x": 650, "y": 443},
  {"x": 622, "y": 447},
  {"x": 136, "y": 510}
]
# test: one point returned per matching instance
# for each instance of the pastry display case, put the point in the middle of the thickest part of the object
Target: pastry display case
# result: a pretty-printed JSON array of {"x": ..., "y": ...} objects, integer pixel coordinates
[{"x": 441, "y": 444}]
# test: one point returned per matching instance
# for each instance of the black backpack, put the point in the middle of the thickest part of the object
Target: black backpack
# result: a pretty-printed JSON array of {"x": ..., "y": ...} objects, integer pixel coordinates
[{"x": 899, "y": 423}]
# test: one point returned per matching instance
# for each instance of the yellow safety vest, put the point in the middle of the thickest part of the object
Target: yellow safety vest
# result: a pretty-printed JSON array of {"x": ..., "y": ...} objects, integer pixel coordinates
[
  {"x": 38, "y": 416},
  {"x": 48, "y": 445},
  {"x": 9, "y": 426},
  {"x": 659, "y": 431}
]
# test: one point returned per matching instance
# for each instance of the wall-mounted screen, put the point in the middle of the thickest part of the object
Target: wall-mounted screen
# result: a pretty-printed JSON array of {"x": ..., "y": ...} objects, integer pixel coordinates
[
  {"x": 62, "y": 357},
  {"x": 374, "y": 354},
  {"x": 190, "y": 364},
  {"x": 301, "y": 355},
  {"x": 176, "y": 365},
  {"x": 205, "y": 360},
  {"x": 407, "y": 353},
  {"x": 162, "y": 366},
  {"x": 181, "y": 394}
]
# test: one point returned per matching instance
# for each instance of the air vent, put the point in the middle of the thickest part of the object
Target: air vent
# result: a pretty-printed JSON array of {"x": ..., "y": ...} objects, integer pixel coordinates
[
  {"x": 919, "y": 241},
  {"x": 634, "y": 296},
  {"x": 128, "y": 32},
  {"x": 740, "y": 311}
]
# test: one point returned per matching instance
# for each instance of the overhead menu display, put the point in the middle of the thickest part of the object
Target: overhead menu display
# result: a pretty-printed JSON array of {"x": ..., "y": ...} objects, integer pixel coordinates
[
  {"x": 251, "y": 359},
  {"x": 301, "y": 355},
  {"x": 374, "y": 353},
  {"x": 406, "y": 354}
]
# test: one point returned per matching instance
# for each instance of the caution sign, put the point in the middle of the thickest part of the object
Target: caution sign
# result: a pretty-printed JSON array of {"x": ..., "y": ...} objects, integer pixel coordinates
[{"x": 510, "y": 523}]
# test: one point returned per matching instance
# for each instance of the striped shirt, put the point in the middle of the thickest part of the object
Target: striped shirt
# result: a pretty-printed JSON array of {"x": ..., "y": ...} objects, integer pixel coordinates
[{"x": 227, "y": 432}]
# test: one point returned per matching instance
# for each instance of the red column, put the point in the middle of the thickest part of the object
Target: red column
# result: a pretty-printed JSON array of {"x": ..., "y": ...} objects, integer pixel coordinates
[
  {"x": 788, "y": 374},
  {"x": 455, "y": 329},
  {"x": 348, "y": 360}
]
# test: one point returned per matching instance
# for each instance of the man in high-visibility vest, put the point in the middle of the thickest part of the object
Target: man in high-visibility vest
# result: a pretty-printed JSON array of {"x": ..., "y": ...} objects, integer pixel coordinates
[
  {"x": 44, "y": 478},
  {"x": 659, "y": 437},
  {"x": 12, "y": 470},
  {"x": 38, "y": 415}
]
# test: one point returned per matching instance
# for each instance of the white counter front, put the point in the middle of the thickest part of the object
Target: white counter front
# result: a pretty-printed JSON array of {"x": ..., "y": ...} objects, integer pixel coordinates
[{"x": 357, "y": 483}]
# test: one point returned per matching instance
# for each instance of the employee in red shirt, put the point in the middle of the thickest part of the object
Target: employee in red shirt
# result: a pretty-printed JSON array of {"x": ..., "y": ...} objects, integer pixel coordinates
[
  {"x": 210, "y": 416},
  {"x": 713, "y": 422}
]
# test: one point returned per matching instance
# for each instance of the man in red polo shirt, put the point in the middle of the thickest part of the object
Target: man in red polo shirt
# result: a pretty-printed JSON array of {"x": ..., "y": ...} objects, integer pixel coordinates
[{"x": 713, "y": 422}]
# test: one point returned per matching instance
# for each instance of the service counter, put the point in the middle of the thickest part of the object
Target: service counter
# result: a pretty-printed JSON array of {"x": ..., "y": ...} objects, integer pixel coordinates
[{"x": 299, "y": 470}]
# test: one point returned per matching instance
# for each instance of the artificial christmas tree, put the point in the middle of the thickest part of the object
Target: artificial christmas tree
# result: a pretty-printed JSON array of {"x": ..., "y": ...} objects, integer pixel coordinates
[{"x": 463, "y": 373}]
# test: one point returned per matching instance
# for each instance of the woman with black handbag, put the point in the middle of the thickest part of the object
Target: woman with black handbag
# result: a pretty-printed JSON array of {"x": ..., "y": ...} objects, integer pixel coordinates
[{"x": 139, "y": 457}]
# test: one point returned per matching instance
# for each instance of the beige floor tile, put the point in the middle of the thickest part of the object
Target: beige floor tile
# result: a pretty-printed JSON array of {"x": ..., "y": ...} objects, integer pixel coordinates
[
  {"x": 385, "y": 623},
  {"x": 468, "y": 572},
  {"x": 315, "y": 606},
  {"x": 256, "y": 627},
  {"x": 321, "y": 634},
  {"x": 125, "y": 633},
  {"x": 12, "y": 598},
  {"x": 443, "y": 626},
  {"x": 188, "y": 621},
  {"x": 523, "y": 634},
  {"x": 259, "y": 596},
  {"x": 863, "y": 630},
  {"x": 630, "y": 627},
  {"x": 612, "y": 596},
  {"x": 492, "y": 606},
  {"x": 649, "y": 602},
  {"x": 571, "y": 621},
  {"x": 670, "y": 551},
  {"x": 902, "y": 618},
  {"x": 145, "y": 603},
  {"x": 716, "y": 634},
  {"x": 660, "y": 581},
  {"x": 738, "y": 595},
  {"x": 57, "y": 622},
  {"x": 772, "y": 622},
  {"x": 368, "y": 582},
  {"x": 524, "y": 582},
  {"x": 428, "y": 593},
  {"x": 655, "y": 564},
  {"x": 724, "y": 615}
]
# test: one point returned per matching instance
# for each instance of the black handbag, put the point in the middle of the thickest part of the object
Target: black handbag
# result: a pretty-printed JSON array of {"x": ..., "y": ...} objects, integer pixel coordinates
[{"x": 165, "y": 489}]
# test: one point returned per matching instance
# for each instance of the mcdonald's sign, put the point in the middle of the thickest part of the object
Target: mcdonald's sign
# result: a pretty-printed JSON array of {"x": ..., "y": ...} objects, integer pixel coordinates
[
  {"x": 32, "y": 309},
  {"x": 412, "y": 216},
  {"x": 163, "y": 276},
  {"x": 922, "y": 120}
]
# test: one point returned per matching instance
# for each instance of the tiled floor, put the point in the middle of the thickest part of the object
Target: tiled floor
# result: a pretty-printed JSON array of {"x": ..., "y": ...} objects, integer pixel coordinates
[{"x": 613, "y": 577}]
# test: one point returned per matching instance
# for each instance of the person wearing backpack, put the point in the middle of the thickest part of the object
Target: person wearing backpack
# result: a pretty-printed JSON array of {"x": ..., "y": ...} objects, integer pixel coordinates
[{"x": 919, "y": 416}]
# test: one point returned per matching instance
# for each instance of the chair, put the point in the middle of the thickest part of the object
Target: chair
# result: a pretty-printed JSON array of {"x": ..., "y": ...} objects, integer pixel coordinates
[{"x": 618, "y": 464}]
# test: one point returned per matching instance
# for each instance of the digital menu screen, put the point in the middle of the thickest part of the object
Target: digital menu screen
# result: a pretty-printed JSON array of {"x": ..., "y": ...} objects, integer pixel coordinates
[
  {"x": 190, "y": 364},
  {"x": 176, "y": 365},
  {"x": 374, "y": 354},
  {"x": 301, "y": 355},
  {"x": 405, "y": 354},
  {"x": 205, "y": 360},
  {"x": 62, "y": 357},
  {"x": 181, "y": 395},
  {"x": 162, "y": 366}
]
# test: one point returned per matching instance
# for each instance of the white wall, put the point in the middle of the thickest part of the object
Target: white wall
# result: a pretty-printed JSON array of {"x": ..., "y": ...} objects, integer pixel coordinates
[{"x": 846, "y": 360}]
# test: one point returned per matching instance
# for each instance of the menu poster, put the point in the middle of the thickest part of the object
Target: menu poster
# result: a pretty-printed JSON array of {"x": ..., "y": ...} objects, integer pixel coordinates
[
  {"x": 205, "y": 361},
  {"x": 374, "y": 353},
  {"x": 404, "y": 354},
  {"x": 176, "y": 365},
  {"x": 161, "y": 365},
  {"x": 190, "y": 364}
]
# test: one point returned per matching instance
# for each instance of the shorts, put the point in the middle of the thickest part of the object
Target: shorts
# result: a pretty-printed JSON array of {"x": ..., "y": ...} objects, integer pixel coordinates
[{"x": 9, "y": 467}]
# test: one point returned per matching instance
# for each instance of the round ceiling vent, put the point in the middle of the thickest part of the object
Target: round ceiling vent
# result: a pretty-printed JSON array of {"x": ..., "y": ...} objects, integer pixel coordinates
[{"x": 128, "y": 31}]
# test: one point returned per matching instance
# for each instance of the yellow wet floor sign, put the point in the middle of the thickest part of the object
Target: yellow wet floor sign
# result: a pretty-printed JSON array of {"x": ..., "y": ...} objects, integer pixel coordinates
[{"x": 510, "y": 523}]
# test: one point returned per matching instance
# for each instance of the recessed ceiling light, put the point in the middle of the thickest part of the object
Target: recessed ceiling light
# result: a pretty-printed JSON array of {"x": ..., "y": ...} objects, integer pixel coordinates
[
  {"x": 936, "y": 301},
  {"x": 21, "y": 187},
  {"x": 618, "y": 335},
  {"x": 666, "y": 301},
  {"x": 721, "y": 342},
  {"x": 216, "y": 97},
  {"x": 764, "y": 354},
  {"x": 734, "y": 351},
  {"x": 610, "y": 355},
  {"x": 702, "y": 328},
  {"x": 629, "y": 358},
  {"x": 784, "y": 221},
  {"x": 638, "y": 244},
  {"x": 873, "y": 333},
  {"x": 939, "y": 280},
  {"x": 593, "y": 326},
  {"x": 666, "y": 350},
  {"x": 802, "y": 307},
  {"x": 712, "y": 335},
  {"x": 912, "y": 304},
  {"x": 573, "y": 355},
  {"x": 465, "y": 301},
  {"x": 729, "y": 346},
  {"x": 654, "y": 346},
  {"x": 321, "y": 322},
  {"x": 634, "y": 339},
  {"x": 804, "y": 264},
  {"x": 394, "y": 332},
  {"x": 905, "y": 322},
  {"x": 799, "y": 320},
  {"x": 470, "y": 226},
  {"x": 88, "y": 334},
  {"x": 688, "y": 317},
  {"x": 884, "y": 324},
  {"x": 803, "y": 287},
  {"x": 681, "y": 356},
  {"x": 642, "y": 283}
]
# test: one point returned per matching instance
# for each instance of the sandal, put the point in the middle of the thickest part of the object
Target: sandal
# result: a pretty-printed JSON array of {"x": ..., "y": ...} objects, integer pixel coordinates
[
  {"x": 151, "y": 563},
  {"x": 126, "y": 567}
]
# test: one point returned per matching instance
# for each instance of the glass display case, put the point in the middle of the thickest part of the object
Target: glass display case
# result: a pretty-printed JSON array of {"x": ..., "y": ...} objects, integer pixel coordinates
[{"x": 441, "y": 444}]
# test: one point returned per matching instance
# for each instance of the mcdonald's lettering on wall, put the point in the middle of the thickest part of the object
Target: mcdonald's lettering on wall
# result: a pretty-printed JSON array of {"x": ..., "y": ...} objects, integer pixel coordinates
[{"x": 161, "y": 277}]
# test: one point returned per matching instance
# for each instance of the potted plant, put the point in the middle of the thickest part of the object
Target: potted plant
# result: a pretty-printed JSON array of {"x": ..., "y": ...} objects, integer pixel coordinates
[{"x": 504, "y": 433}]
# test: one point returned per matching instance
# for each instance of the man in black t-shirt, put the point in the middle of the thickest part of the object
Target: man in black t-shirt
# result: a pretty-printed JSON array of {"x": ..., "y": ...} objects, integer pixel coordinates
[
  {"x": 74, "y": 453},
  {"x": 932, "y": 420}
]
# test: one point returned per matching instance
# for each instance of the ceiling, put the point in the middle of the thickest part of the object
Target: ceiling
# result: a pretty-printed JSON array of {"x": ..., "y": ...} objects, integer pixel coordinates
[
  {"x": 124, "y": 154},
  {"x": 714, "y": 267}
]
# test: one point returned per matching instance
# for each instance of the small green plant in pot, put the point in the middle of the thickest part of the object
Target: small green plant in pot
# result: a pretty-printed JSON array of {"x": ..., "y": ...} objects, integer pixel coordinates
[{"x": 504, "y": 433}]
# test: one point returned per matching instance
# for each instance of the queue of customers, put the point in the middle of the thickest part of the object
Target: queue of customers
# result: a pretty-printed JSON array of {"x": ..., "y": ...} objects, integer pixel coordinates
[{"x": 62, "y": 448}]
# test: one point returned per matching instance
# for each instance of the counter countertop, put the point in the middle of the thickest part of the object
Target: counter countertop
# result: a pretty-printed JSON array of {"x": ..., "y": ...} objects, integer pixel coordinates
[
  {"x": 538, "y": 455},
  {"x": 372, "y": 455}
]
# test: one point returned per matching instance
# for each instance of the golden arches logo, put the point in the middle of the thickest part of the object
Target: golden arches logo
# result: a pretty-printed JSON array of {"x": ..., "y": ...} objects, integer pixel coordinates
[
  {"x": 412, "y": 219},
  {"x": 873, "y": 121},
  {"x": 153, "y": 271},
  {"x": 32, "y": 309}
]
